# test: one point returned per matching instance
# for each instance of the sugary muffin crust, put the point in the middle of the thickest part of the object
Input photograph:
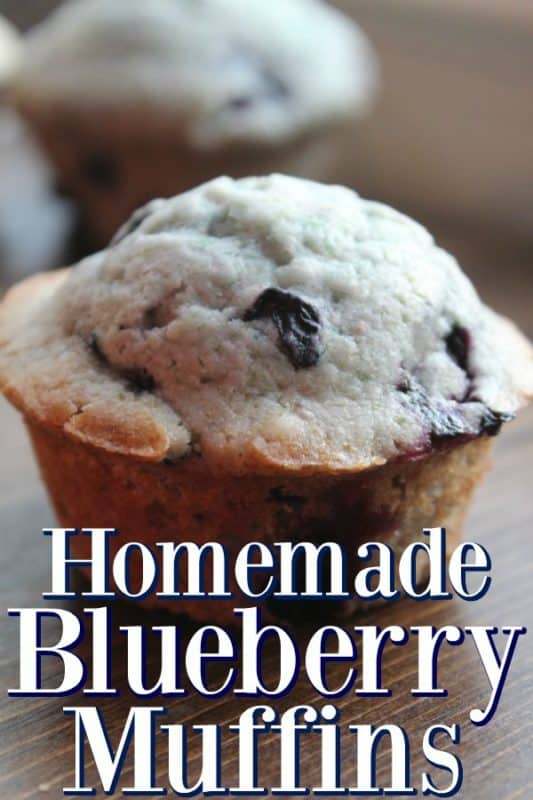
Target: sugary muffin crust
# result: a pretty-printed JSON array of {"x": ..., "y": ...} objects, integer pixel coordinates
[
  {"x": 255, "y": 71},
  {"x": 267, "y": 323}
]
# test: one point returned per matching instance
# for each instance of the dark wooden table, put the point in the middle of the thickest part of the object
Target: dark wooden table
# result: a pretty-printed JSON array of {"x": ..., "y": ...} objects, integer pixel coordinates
[{"x": 36, "y": 747}]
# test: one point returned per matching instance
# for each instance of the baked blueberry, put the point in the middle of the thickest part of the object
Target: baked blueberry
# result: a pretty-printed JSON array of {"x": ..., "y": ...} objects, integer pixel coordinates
[
  {"x": 492, "y": 421},
  {"x": 297, "y": 322},
  {"x": 95, "y": 348},
  {"x": 458, "y": 346},
  {"x": 139, "y": 380}
]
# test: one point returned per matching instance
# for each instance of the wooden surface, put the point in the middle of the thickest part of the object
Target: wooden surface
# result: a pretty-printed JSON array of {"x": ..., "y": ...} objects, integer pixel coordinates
[{"x": 36, "y": 747}]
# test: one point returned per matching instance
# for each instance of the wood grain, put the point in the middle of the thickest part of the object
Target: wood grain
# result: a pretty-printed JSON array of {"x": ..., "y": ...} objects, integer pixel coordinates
[{"x": 36, "y": 747}]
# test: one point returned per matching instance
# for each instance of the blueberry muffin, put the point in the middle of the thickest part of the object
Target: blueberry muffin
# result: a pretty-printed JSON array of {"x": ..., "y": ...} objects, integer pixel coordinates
[
  {"x": 138, "y": 100},
  {"x": 262, "y": 359}
]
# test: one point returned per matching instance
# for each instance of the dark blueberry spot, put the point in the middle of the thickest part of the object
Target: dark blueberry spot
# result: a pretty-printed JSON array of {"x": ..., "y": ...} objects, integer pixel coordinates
[
  {"x": 134, "y": 222},
  {"x": 275, "y": 88},
  {"x": 446, "y": 423},
  {"x": 444, "y": 418},
  {"x": 240, "y": 103},
  {"x": 279, "y": 495},
  {"x": 458, "y": 343},
  {"x": 297, "y": 322},
  {"x": 492, "y": 421},
  {"x": 268, "y": 85},
  {"x": 151, "y": 319},
  {"x": 100, "y": 169},
  {"x": 404, "y": 386},
  {"x": 95, "y": 348},
  {"x": 412, "y": 389},
  {"x": 139, "y": 380}
]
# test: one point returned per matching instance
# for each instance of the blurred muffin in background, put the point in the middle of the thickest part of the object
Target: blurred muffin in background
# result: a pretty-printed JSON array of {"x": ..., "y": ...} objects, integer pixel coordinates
[{"x": 143, "y": 99}]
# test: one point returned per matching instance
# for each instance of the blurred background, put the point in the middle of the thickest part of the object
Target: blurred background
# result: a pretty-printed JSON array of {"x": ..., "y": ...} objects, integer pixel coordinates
[
  {"x": 452, "y": 126},
  {"x": 449, "y": 139}
]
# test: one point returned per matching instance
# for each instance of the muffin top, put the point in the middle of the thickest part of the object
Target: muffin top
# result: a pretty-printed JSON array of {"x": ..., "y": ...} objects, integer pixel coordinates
[
  {"x": 267, "y": 324},
  {"x": 9, "y": 51},
  {"x": 251, "y": 71}
]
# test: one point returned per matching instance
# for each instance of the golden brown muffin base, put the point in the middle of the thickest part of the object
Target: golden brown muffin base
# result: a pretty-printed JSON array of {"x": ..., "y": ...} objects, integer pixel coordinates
[
  {"x": 112, "y": 162},
  {"x": 183, "y": 501}
]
